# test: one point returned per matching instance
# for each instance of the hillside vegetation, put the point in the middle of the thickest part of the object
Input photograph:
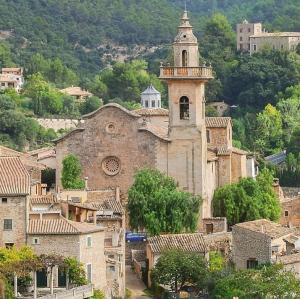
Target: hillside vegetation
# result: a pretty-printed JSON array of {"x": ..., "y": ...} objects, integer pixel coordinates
[{"x": 74, "y": 30}]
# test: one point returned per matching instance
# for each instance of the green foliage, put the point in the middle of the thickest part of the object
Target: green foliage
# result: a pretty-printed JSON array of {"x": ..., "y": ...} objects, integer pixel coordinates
[
  {"x": 71, "y": 172},
  {"x": 98, "y": 294},
  {"x": 216, "y": 262},
  {"x": 247, "y": 200},
  {"x": 267, "y": 282},
  {"x": 125, "y": 81},
  {"x": 211, "y": 111},
  {"x": 156, "y": 204},
  {"x": 77, "y": 274},
  {"x": 91, "y": 104},
  {"x": 176, "y": 268}
]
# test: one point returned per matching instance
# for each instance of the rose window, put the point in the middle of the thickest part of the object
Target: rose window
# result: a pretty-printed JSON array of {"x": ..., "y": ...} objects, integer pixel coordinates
[{"x": 111, "y": 165}]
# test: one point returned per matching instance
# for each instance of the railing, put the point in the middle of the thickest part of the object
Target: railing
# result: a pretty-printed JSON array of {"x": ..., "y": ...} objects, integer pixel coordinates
[
  {"x": 201, "y": 72},
  {"x": 86, "y": 291}
]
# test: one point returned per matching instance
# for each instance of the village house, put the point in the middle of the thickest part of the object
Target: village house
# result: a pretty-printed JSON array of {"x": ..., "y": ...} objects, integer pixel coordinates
[
  {"x": 83, "y": 241},
  {"x": 12, "y": 78},
  {"x": 104, "y": 208},
  {"x": 45, "y": 156},
  {"x": 290, "y": 207},
  {"x": 193, "y": 242},
  {"x": 113, "y": 143},
  {"x": 77, "y": 93},
  {"x": 14, "y": 201},
  {"x": 251, "y": 37},
  {"x": 258, "y": 242}
]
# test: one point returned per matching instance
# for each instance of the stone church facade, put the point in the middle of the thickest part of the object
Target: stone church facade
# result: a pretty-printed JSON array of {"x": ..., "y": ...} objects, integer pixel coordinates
[{"x": 113, "y": 143}]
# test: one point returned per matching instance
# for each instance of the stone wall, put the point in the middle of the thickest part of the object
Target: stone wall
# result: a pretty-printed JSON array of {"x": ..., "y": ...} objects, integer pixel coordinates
[
  {"x": 219, "y": 224},
  {"x": 16, "y": 209},
  {"x": 219, "y": 137},
  {"x": 58, "y": 124},
  {"x": 224, "y": 170},
  {"x": 238, "y": 167},
  {"x": 247, "y": 245},
  {"x": 290, "y": 212},
  {"x": 114, "y": 133}
]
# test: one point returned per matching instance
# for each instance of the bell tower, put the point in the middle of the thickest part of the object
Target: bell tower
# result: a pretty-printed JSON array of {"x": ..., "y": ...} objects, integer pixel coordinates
[{"x": 186, "y": 80}]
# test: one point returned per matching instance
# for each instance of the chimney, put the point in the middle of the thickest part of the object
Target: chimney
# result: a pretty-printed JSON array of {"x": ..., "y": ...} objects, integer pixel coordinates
[{"x": 86, "y": 183}]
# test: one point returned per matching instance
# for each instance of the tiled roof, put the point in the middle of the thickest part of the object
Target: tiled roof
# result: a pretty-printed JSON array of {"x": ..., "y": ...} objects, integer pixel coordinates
[
  {"x": 211, "y": 156},
  {"x": 76, "y": 91},
  {"x": 152, "y": 112},
  {"x": 276, "y": 159},
  {"x": 42, "y": 199},
  {"x": 275, "y": 34},
  {"x": 193, "y": 242},
  {"x": 267, "y": 227},
  {"x": 223, "y": 150},
  {"x": 12, "y": 69},
  {"x": 83, "y": 206},
  {"x": 160, "y": 132},
  {"x": 290, "y": 258},
  {"x": 26, "y": 159},
  {"x": 239, "y": 151},
  {"x": 60, "y": 226},
  {"x": 150, "y": 90},
  {"x": 109, "y": 204},
  {"x": 8, "y": 78},
  {"x": 14, "y": 178},
  {"x": 217, "y": 122}
]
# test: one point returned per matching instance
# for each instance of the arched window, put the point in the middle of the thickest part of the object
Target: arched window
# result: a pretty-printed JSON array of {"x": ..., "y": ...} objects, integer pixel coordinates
[
  {"x": 184, "y": 107},
  {"x": 184, "y": 58}
]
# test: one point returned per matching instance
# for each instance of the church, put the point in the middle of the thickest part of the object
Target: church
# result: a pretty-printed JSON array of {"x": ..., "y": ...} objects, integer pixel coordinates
[{"x": 112, "y": 143}]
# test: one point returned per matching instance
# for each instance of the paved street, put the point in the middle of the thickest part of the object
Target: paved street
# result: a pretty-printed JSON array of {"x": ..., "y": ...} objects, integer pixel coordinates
[{"x": 135, "y": 285}]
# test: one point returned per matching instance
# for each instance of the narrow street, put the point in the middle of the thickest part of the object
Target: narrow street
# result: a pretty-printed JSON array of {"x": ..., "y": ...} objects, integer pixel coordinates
[{"x": 135, "y": 285}]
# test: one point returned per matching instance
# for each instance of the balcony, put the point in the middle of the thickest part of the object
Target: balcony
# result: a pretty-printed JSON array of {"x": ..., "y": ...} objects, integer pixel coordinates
[{"x": 198, "y": 73}]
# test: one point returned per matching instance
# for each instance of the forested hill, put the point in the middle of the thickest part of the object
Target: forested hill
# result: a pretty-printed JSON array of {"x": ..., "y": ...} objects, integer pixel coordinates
[{"x": 74, "y": 29}]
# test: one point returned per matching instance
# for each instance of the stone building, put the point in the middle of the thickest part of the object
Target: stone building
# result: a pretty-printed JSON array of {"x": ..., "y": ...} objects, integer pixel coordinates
[
  {"x": 193, "y": 242},
  {"x": 243, "y": 33},
  {"x": 14, "y": 201},
  {"x": 220, "y": 107},
  {"x": 258, "y": 242},
  {"x": 251, "y": 37},
  {"x": 151, "y": 98},
  {"x": 113, "y": 143},
  {"x": 12, "y": 78},
  {"x": 83, "y": 241},
  {"x": 77, "y": 93}
]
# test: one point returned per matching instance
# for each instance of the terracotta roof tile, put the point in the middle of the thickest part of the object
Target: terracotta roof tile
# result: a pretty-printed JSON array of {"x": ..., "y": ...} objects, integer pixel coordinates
[
  {"x": 152, "y": 112},
  {"x": 14, "y": 178},
  {"x": 109, "y": 204},
  {"x": 76, "y": 91},
  {"x": 160, "y": 132},
  {"x": 217, "y": 122},
  {"x": 42, "y": 199},
  {"x": 267, "y": 227},
  {"x": 60, "y": 226},
  {"x": 193, "y": 242}
]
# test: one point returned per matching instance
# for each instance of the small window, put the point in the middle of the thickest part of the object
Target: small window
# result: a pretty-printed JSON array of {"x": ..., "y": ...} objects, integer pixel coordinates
[
  {"x": 286, "y": 213},
  {"x": 252, "y": 264},
  {"x": 7, "y": 224},
  {"x": 4, "y": 200},
  {"x": 241, "y": 38},
  {"x": 249, "y": 30},
  {"x": 241, "y": 30},
  {"x": 89, "y": 272},
  {"x": 2, "y": 84},
  {"x": 153, "y": 104},
  {"x": 241, "y": 46},
  {"x": 89, "y": 241},
  {"x": 9, "y": 245},
  {"x": 208, "y": 136},
  {"x": 184, "y": 108},
  {"x": 184, "y": 58},
  {"x": 35, "y": 241},
  {"x": 254, "y": 47},
  {"x": 281, "y": 47}
]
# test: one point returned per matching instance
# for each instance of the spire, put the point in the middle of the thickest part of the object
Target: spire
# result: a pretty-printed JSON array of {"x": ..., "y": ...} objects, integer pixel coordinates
[{"x": 185, "y": 23}]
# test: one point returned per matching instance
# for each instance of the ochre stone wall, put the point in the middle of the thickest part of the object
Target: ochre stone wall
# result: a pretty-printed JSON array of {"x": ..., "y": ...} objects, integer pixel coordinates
[
  {"x": 135, "y": 149},
  {"x": 224, "y": 170},
  {"x": 248, "y": 244},
  {"x": 219, "y": 137},
  {"x": 290, "y": 212},
  {"x": 238, "y": 167},
  {"x": 14, "y": 209}
]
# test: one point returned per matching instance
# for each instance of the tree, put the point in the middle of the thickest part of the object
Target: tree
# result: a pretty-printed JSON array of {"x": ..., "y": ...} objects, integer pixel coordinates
[
  {"x": 71, "y": 172},
  {"x": 177, "y": 269},
  {"x": 247, "y": 200},
  {"x": 76, "y": 273},
  {"x": 269, "y": 131},
  {"x": 267, "y": 282},
  {"x": 156, "y": 205},
  {"x": 91, "y": 104}
]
